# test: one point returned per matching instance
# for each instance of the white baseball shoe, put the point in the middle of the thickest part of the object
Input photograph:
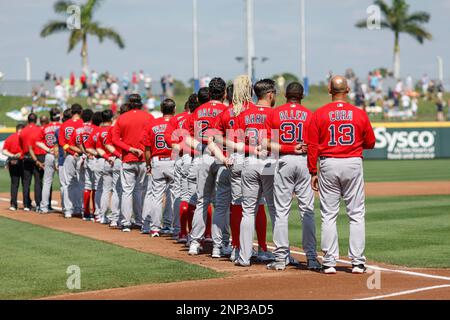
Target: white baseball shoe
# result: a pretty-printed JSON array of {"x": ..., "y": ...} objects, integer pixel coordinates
[
  {"x": 216, "y": 252},
  {"x": 276, "y": 265},
  {"x": 126, "y": 229},
  {"x": 154, "y": 234},
  {"x": 328, "y": 270},
  {"x": 67, "y": 215},
  {"x": 113, "y": 224},
  {"x": 12, "y": 208},
  {"x": 194, "y": 248},
  {"x": 27, "y": 209},
  {"x": 358, "y": 269},
  {"x": 234, "y": 254}
]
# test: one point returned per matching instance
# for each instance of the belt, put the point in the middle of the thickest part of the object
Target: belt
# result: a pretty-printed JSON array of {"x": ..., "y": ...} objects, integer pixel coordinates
[{"x": 163, "y": 158}]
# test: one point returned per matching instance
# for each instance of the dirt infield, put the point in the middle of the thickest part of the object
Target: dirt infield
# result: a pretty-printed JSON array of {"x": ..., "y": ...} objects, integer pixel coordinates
[
  {"x": 248, "y": 283},
  {"x": 409, "y": 188}
]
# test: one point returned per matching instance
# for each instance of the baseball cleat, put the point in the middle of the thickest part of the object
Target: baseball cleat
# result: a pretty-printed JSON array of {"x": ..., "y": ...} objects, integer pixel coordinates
[
  {"x": 87, "y": 217},
  {"x": 208, "y": 239},
  {"x": 113, "y": 224},
  {"x": 194, "y": 248},
  {"x": 234, "y": 254},
  {"x": 291, "y": 261},
  {"x": 276, "y": 265},
  {"x": 166, "y": 231},
  {"x": 145, "y": 231},
  {"x": 216, "y": 252},
  {"x": 264, "y": 256},
  {"x": 239, "y": 263},
  {"x": 313, "y": 265},
  {"x": 328, "y": 270},
  {"x": 358, "y": 268},
  {"x": 154, "y": 234},
  {"x": 67, "y": 215},
  {"x": 182, "y": 239},
  {"x": 126, "y": 229},
  {"x": 12, "y": 208},
  {"x": 26, "y": 209}
]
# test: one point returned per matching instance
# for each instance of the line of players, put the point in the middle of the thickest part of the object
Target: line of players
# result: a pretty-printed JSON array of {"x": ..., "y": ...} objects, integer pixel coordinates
[{"x": 223, "y": 151}]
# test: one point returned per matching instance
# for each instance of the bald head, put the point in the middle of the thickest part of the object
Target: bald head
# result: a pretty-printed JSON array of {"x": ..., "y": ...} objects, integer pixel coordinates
[
  {"x": 338, "y": 85},
  {"x": 43, "y": 120}
]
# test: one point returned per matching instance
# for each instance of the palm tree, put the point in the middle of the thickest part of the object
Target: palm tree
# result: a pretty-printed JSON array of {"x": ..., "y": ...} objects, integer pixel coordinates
[
  {"x": 88, "y": 27},
  {"x": 398, "y": 18}
]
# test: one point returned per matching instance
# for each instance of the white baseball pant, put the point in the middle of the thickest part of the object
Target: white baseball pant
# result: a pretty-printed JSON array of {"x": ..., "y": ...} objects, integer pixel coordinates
[{"x": 132, "y": 178}]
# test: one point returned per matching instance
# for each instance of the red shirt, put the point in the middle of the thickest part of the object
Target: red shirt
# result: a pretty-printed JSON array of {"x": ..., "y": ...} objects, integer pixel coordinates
[
  {"x": 82, "y": 134},
  {"x": 202, "y": 120},
  {"x": 102, "y": 139},
  {"x": 91, "y": 141},
  {"x": 67, "y": 129},
  {"x": 127, "y": 133},
  {"x": 153, "y": 137},
  {"x": 253, "y": 123},
  {"x": 292, "y": 121},
  {"x": 28, "y": 137},
  {"x": 338, "y": 130},
  {"x": 12, "y": 144},
  {"x": 48, "y": 136}
]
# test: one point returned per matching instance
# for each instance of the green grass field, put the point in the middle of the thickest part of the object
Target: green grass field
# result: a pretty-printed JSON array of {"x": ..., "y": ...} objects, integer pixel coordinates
[
  {"x": 406, "y": 231},
  {"x": 34, "y": 261}
]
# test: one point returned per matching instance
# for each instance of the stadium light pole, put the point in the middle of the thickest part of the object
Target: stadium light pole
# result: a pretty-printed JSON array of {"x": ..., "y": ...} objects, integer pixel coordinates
[
  {"x": 304, "y": 77},
  {"x": 28, "y": 68},
  {"x": 195, "y": 45},
  {"x": 250, "y": 39},
  {"x": 440, "y": 69}
]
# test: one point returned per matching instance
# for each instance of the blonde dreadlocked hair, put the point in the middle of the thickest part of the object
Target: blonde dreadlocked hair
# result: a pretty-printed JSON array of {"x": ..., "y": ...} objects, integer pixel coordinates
[{"x": 242, "y": 93}]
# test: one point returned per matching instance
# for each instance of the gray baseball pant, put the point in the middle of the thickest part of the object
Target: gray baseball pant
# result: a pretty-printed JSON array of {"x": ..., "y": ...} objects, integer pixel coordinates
[
  {"x": 107, "y": 188},
  {"x": 132, "y": 178},
  {"x": 116, "y": 198},
  {"x": 49, "y": 172},
  {"x": 162, "y": 180},
  {"x": 257, "y": 181},
  {"x": 292, "y": 176},
  {"x": 342, "y": 177},
  {"x": 212, "y": 177},
  {"x": 98, "y": 186},
  {"x": 72, "y": 198},
  {"x": 63, "y": 186},
  {"x": 190, "y": 167},
  {"x": 177, "y": 192}
]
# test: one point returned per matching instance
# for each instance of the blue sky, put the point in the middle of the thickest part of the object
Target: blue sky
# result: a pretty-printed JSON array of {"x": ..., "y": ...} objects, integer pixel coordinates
[{"x": 158, "y": 36}]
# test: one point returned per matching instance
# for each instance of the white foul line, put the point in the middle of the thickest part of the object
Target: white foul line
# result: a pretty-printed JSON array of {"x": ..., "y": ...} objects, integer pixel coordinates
[
  {"x": 401, "y": 293},
  {"x": 411, "y": 273}
]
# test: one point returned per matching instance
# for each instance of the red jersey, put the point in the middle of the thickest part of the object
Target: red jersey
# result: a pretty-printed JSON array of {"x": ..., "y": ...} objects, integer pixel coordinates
[
  {"x": 175, "y": 133},
  {"x": 82, "y": 134},
  {"x": 101, "y": 140},
  {"x": 153, "y": 137},
  {"x": 91, "y": 141},
  {"x": 127, "y": 133},
  {"x": 253, "y": 123},
  {"x": 67, "y": 129},
  {"x": 48, "y": 134},
  {"x": 12, "y": 144},
  {"x": 292, "y": 121},
  {"x": 28, "y": 137},
  {"x": 338, "y": 130},
  {"x": 202, "y": 120}
]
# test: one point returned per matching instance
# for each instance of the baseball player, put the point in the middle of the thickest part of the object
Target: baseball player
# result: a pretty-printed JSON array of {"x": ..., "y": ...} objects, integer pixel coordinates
[
  {"x": 211, "y": 176},
  {"x": 116, "y": 199},
  {"x": 126, "y": 134},
  {"x": 226, "y": 135},
  {"x": 160, "y": 166},
  {"x": 47, "y": 143},
  {"x": 72, "y": 198},
  {"x": 33, "y": 162},
  {"x": 289, "y": 125},
  {"x": 12, "y": 150},
  {"x": 85, "y": 175},
  {"x": 337, "y": 135},
  {"x": 105, "y": 164},
  {"x": 257, "y": 173},
  {"x": 93, "y": 169},
  {"x": 184, "y": 191}
]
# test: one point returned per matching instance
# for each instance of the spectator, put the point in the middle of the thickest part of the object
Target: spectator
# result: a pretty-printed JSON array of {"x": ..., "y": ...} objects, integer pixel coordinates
[
  {"x": 440, "y": 109},
  {"x": 425, "y": 82}
]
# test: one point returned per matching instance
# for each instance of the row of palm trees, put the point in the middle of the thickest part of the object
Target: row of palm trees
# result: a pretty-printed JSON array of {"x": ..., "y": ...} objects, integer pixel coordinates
[{"x": 397, "y": 18}]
